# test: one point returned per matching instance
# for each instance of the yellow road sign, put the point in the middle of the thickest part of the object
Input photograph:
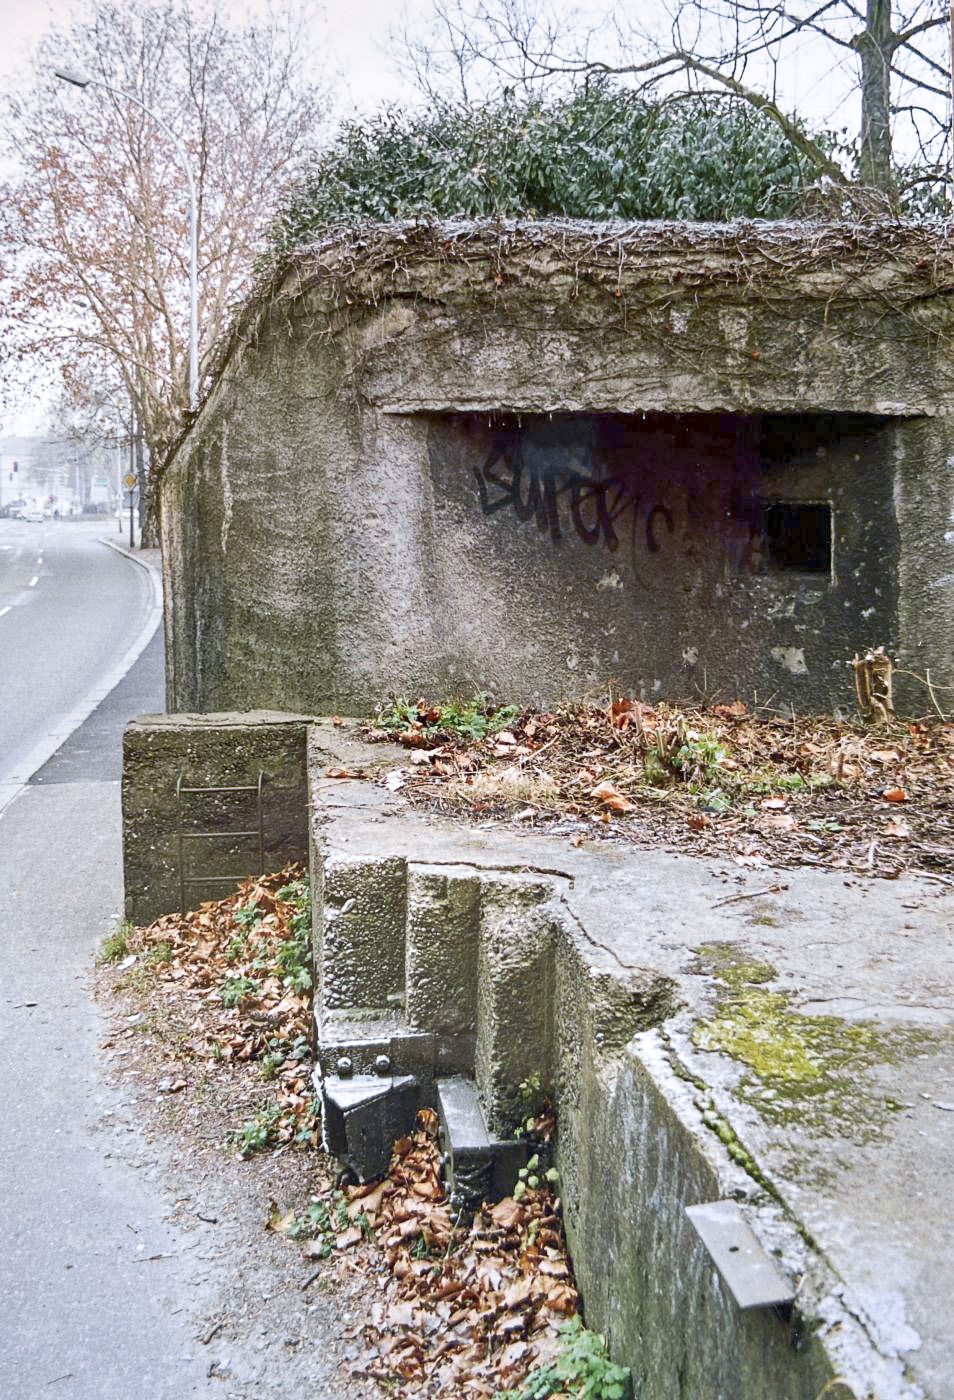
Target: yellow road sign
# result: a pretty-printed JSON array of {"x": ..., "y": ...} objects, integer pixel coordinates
[{"x": 129, "y": 481}]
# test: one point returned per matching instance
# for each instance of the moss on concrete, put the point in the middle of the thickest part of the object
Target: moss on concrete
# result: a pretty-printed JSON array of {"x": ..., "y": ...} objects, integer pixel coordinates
[{"x": 801, "y": 1069}]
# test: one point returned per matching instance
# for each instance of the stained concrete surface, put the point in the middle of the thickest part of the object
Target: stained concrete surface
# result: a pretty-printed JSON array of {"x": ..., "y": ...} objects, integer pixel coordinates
[{"x": 808, "y": 1057}]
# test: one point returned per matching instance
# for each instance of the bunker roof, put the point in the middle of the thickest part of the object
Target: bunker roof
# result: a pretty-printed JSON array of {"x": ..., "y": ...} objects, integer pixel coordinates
[{"x": 912, "y": 258}]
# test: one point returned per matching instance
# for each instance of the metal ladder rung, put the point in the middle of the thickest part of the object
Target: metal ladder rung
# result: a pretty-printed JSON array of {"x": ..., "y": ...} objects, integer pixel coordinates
[
  {"x": 215, "y": 835},
  {"x": 250, "y": 787},
  {"x": 213, "y": 879},
  {"x": 185, "y": 881}
]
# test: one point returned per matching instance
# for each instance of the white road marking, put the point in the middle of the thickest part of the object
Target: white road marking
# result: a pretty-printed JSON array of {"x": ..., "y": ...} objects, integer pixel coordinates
[
  {"x": 4, "y": 610},
  {"x": 13, "y": 783},
  {"x": 34, "y": 581}
]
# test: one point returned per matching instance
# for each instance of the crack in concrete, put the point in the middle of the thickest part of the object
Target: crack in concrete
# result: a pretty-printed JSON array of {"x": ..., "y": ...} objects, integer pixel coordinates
[
  {"x": 595, "y": 942},
  {"x": 517, "y": 869}
]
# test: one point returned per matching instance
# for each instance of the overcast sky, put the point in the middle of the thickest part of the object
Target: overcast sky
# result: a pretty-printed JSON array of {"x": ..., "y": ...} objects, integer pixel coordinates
[{"x": 357, "y": 34}]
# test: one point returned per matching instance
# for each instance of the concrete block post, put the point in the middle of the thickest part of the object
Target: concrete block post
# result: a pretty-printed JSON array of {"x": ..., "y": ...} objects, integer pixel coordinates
[
  {"x": 177, "y": 846},
  {"x": 443, "y": 931},
  {"x": 514, "y": 994},
  {"x": 359, "y": 957}
]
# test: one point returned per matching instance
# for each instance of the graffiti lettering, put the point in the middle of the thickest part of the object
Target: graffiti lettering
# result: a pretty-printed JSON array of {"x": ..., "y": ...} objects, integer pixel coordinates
[{"x": 548, "y": 493}]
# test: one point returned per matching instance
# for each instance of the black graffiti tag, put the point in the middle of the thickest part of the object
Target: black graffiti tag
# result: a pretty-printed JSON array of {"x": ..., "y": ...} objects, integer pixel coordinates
[{"x": 546, "y": 493}]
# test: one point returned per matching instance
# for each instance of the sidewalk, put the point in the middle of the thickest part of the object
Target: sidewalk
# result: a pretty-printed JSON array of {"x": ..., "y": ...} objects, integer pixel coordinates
[
  {"x": 126, "y": 1274},
  {"x": 93, "y": 1280}
]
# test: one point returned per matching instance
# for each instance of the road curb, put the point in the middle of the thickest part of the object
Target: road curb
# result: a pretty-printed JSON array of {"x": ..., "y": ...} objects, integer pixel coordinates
[{"x": 42, "y": 752}]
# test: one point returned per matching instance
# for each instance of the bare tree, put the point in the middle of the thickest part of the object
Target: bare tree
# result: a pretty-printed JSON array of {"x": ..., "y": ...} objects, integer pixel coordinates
[
  {"x": 94, "y": 223},
  {"x": 897, "y": 58}
]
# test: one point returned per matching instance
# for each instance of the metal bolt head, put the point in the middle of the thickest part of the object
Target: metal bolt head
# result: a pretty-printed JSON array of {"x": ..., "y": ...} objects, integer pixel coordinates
[
  {"x": 382, "y": 1064},
  {"x": 344, "y": 1067}
]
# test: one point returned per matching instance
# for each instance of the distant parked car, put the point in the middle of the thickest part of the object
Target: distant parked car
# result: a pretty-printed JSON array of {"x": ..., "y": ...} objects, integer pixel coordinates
[
  {"x": 32, "y": 513},
  {"x": 11, "y": 510}
]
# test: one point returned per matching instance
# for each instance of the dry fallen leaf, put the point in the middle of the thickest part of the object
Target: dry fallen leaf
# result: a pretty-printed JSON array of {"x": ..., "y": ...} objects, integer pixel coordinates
[
  {"x": 737, "y": 710},
  {"x": 279, "y": 1220},
  {"x": 895, "y": 794},
  {"x": 611, "y": 797},
  {"x": 778, "y": 821}
]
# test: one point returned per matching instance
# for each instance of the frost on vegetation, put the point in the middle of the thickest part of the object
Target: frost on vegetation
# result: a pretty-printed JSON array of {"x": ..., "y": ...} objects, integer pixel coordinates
[{"x": 602, "y": 153}]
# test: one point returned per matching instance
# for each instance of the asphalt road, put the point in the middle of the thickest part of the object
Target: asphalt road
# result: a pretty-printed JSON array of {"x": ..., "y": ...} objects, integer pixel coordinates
[{"x": 70, "y": 610}]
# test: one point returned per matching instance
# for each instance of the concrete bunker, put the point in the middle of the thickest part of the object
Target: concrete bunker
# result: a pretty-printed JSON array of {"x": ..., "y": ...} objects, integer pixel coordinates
[{"x": 532, "y": 459}]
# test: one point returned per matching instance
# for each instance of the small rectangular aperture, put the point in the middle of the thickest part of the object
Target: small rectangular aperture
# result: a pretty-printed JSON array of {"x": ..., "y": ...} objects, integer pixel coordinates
[{"x": 797, "y": 537}]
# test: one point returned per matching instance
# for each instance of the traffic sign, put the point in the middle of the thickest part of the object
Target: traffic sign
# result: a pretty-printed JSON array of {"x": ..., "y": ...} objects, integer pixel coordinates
[{"x": 129, "y": 481}]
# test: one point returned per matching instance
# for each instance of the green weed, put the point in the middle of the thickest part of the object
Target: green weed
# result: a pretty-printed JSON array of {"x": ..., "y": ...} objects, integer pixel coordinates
[
  {"x": 294, "y": 956},
  {"x": 238, "y": 990},
  {"x": 116, "y": 945},
  {"x": 532, "y": 1176},
  {"x": 236, "y": 949},
  {"x": 473, "y": 719},
  {"x": 322, "y": 1219},
  {"x": 698, "y": 758},
  {"x": 258, "y": 1133},
  {"x": 582, "y": 1370}
]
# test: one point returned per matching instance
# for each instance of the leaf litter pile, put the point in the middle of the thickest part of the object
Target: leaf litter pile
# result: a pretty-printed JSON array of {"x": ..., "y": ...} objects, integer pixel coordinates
[
  {"x": 229, "y": 986},
  {"x": 760, "y": 788},
  {"x": 458, "y": 1309}
]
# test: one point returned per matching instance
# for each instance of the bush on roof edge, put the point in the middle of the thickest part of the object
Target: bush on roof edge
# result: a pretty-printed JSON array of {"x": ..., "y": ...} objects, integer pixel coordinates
[{"x": 603, "y": 153}]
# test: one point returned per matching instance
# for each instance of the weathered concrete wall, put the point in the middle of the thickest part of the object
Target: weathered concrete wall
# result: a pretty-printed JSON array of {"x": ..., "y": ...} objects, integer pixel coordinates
[
  {"x": 445, "y": 461},
  {"x": 163, "y": 873},
  {"x": 924, "y": 508},
  {"x": 582, "y": 968}
]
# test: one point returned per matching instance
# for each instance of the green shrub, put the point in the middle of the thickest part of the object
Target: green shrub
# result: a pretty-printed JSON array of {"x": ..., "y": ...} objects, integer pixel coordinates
[{"x": 602, "y": 153}]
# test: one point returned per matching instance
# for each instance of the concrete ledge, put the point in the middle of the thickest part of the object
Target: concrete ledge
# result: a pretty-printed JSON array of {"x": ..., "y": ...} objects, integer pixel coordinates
[{"x": 774, "y": 1050}]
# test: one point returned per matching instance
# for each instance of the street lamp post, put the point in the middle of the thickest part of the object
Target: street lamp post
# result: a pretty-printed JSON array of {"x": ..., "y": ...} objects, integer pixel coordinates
[{"x": 80, "y": 80}]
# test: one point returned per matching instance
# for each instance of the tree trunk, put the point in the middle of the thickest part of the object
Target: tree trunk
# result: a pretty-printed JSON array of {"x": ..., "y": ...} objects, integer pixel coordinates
[
  {"x": 148, "y": 535},
  {"x": 876, "y": 46}
]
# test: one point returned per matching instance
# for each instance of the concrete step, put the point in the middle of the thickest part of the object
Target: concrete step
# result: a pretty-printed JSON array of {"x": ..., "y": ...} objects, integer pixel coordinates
[{"x": 477, "y": 1166}]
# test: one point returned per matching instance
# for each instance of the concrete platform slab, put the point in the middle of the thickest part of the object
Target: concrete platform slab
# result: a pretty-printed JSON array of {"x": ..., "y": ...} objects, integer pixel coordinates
[{"x": 804, "y": 1062}]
